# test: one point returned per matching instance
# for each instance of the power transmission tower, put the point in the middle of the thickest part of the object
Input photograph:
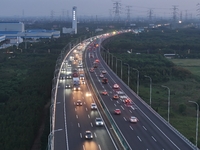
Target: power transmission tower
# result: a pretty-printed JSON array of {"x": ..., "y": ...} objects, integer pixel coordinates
[
  {"x": 198, "y": 10},
  {"x": 181, "y": 16},
  {"x": 150, "y": 14},
  {"x": 128, "y": 13},
  {"x": 52, "y": 15},
  {"x": 117, "y": 8},
  {"x": 186, "y": 15},
  {"x": 175, "y": 13}
]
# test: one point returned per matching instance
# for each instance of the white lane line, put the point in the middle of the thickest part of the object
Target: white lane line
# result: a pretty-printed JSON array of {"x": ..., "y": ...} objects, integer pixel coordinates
[
  {"x": 130, "y": 111},
  {"x": 86, "y": 109},
  {"x": 124, "y": 118},
  {"x": 83, "y": 147},
  {"x": 122, "y": 107},
  {"x": 144, "y": 128},
  {"x": 131, "y": 127},
  {"x": 77, "y": 116},
  {"x": 81, "y": 135},
  {"x": 99, "y": 146},
  {"x": 153, "y": 138},
  {"x": 91, "y": 124},
  {"x": 88, "y": 116},
  {"x": 75, "y": 109},
  {"x": 102, "y": 86},
  {"x": 111, "y": 99},
  {"x": 79, "y": 125},
  {"x": 95, "y": 134},
  {"x": 139, "y": 138},
  {"x": 115, "y": 105},
  {"x": 118, "y": 102}
]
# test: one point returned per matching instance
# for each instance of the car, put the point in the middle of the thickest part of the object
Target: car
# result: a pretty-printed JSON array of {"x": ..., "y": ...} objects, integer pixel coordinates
[
  {"x": 104, "y": 93},
  {"x": 133, "y": 119},
  {"x": 69, "y": 76},
  {"x": 115, "y": 86},
  {"x": 115, "y": 96},
  {"x": 117, "y": 111},
  {"x": 91, "y": 56},
  {"x": 79, "y": 103},
  {"x": 99, "y": 122},
  {"x": 93, "y": 106},
  {"x": 77, "y": 88},
  {"x": 101, "y": 75},
  {"x": 127, "y": 101},
  {"x": 103, "y": 72},
  {"x": 62, "y": 78},
  {"x": 88, "y": 135},
  {"x": 91, "y": 69},
  {"x": 88, "y": 94},
  {"x": 69, "y": 65},
  {"x": 83, "y": 82},
  {"x": 82, "y": 77},
  {"x": 67, "y": 86}
]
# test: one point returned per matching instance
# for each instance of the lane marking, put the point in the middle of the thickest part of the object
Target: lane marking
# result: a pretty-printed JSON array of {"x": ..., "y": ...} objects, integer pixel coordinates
[
  {"x": 122, "y": 107},
  {"x": 124, "y": 118},
  {"x": 91, "y": 124},
  {"x": 81, "y": 135},
  {"x": 99, "y": 146},
  {"x": 139, "y": 138},
  {"x": 153, "y": 138},
  {"x": 88, "y": 116},
  {"x": 131, "y": 127},
  {"x": 144, "y": 128},
  {"x": 77, "y": 116},
  {"x": 95, "y": 134},
  {"x": 79, "y": 125},
  {"x": 86, "y": 109},
  {"x": 75, "y": 109},
  {"x": 130, "y": 111},
  {"x": 115, "y": 105}
]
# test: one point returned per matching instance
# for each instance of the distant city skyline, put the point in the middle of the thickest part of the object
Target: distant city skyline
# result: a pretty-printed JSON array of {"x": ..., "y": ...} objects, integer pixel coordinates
[{"x": 137, "y": 8}]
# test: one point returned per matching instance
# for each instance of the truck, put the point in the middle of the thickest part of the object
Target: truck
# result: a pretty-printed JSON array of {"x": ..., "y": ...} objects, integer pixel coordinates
[
  {"x": 104, "y": 81},
  {"x": 76, "y": 81}
]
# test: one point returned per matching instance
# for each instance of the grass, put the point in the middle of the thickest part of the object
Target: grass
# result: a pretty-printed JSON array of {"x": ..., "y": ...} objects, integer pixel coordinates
[{"x": 192, "y": 65}]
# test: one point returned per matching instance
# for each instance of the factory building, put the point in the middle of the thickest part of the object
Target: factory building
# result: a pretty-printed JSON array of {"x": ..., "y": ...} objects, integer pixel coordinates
[{"x": 12, "y": 26}]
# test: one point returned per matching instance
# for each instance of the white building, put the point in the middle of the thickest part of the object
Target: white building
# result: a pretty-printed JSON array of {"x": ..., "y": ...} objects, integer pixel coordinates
[
  {"x": 74, "y": 19},
  {"x": 12, "y": 26}
]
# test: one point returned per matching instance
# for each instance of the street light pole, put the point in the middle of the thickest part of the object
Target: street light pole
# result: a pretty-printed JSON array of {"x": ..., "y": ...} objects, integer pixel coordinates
[
  {"x": 150, "y": 88},
  {"x": 197, "y": 121},
  {"x": 121, "y": 67},
  {"x": 138, "y": 78},
  {"x": 128, "y": 71},
  {"x": 168, "y": 100}
]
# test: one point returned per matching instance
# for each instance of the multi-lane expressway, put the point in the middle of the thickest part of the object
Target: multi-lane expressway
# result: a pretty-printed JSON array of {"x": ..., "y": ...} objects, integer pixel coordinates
[
  {"x": 151, "y": 132},
  {"x": 72, "y": 121}
]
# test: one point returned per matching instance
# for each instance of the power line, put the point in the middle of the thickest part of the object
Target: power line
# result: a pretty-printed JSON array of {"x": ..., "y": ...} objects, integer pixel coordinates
[
  {"x": 128, "y": 13},
  {"x": 175, "y": 12},
  {"x": 117, "y": 10}
]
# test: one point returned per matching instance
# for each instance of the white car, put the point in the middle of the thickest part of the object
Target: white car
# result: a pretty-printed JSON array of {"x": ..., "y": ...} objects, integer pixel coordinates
[
  {"x": 88, "y": 135},
  {"x": 104, "y": 72},
  {"x": 115, "y": 86},
  {"x": 93, "y": 106},
  {"x": 101, "y": 75},
  {"x": 88, "y": 94},
  {"x": 99, "y": 122},
  {"x": 67, "y": 86},
  {"x": 133, "y": 119}
]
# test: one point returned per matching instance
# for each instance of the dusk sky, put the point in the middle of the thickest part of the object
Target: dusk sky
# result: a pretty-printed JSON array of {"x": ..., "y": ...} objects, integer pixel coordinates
[{"x": 95, "y": 7}]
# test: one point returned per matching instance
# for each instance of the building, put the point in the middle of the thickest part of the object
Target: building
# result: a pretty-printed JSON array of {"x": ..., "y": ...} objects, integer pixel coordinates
[
  {"x": 74, "y": 19},
  {"x": 12, "y": 26}
]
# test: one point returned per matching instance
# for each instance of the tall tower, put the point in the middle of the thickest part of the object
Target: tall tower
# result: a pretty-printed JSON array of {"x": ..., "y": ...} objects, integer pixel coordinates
[{"x": 74, "y": 19}]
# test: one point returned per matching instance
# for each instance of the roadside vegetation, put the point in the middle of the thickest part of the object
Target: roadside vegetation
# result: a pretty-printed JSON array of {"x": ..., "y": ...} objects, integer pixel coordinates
[{"x": 180, "y": 74}]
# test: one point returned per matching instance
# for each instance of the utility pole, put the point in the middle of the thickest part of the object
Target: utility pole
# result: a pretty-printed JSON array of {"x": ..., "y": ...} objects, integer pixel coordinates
[
  {"x": 117, "y": 10},
  {"x": 52, "y": 15},
  {"x": 175, "y": 12}
]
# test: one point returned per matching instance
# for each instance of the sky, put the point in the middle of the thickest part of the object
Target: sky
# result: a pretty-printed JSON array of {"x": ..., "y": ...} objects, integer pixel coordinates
[{"x": 95, "y": 7}]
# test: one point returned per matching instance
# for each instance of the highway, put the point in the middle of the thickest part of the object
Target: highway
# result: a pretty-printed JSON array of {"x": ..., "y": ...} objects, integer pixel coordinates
[
  {"x": 151, "y": 132},
  {"x": 71, "y": 121}
]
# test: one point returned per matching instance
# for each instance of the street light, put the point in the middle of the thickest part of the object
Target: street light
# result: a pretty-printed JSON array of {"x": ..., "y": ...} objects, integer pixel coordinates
[
  {"x": 115, "y": 64},
  {"x": 50, "y": 136},
  {"x": 121, "y": 67},
  {"x": 168, "y": 100},
  {"x": 197, "y": 121},
  {"x": 128, "y": 71},
  {"x": 150, "y": 88},
  {"x": 138, "y": 78}
]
